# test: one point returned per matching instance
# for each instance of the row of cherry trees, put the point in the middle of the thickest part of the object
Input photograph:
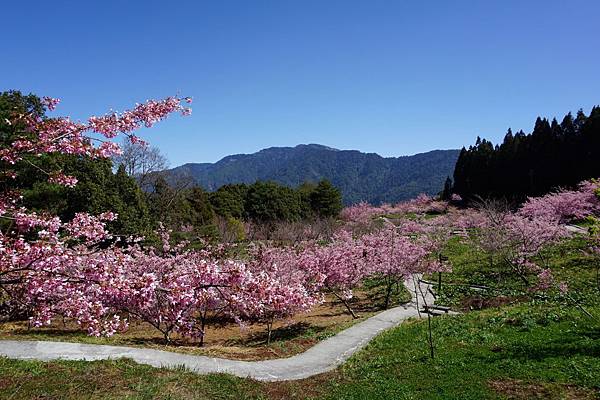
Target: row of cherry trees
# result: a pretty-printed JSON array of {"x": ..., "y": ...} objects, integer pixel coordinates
[{"x": 178, "y": 290}]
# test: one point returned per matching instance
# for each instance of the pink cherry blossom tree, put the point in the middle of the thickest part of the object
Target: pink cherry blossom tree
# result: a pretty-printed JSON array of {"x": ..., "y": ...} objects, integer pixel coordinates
[
  {"x": 564, "y": 205},
  {"x": 276, "y": 288},
  {"x": 395, "y": 257},
  {"x": 360, "y": 218},
  {"x": 55, "y": 266},
  {"x": 516, "y": 238},
  {"x": 343, "y": 264}
]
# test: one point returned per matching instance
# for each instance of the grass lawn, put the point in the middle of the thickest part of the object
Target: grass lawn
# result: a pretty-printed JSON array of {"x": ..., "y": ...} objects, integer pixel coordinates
[
  {"x": 122, "y": 379},
  {"x": 521, "y": 352},
  {"x": 567, "y": 260}
]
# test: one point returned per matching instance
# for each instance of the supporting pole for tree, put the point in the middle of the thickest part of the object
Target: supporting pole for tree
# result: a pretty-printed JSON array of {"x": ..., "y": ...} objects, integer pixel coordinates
[
  {"x": 269, "y": 330},
  {"x": 429, "y": 331},
  {"x": 202, "y": 326},
  {"x": 430, "y": 335},
  {"x": 441, "y": 258}
]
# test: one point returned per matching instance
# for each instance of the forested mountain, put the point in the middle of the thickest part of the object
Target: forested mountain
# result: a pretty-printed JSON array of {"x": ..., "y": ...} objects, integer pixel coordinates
[
  {"x": 360, "y": 176},
  {"x": 553, "y": 155}
]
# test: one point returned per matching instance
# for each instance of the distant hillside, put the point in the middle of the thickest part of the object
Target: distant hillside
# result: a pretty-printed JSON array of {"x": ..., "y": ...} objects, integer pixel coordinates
[{"x": 360, "y": 176}]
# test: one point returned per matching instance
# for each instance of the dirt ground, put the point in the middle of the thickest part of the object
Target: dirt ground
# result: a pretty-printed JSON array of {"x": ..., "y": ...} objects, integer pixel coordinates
[{"x": 228, "y": 339}]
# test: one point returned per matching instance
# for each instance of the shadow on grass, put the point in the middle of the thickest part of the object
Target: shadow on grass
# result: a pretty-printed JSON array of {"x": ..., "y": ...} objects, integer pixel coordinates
[
  {"x": 300, "y": 330},
  {"x": 376, "y": 300},
  {"x": 578, "y": 343},
  {"x": 80, "y": 336},
  {"x": 566, "y": 344}
]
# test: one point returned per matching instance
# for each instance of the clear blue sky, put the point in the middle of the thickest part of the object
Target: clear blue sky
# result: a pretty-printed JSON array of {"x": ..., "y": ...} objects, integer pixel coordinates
[{"x": 392, "y": 77}]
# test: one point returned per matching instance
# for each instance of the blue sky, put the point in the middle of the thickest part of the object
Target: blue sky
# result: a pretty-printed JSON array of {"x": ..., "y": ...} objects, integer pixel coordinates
[{"x": 391, "y": 77}]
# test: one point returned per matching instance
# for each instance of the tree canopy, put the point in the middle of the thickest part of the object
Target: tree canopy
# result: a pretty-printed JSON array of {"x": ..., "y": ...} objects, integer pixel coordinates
[
  {"x": 553, "y": 155},
  {"x": 99, "y": 189}
]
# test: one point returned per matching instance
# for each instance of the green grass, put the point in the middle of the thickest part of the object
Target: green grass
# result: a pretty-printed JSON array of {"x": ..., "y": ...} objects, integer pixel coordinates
[
  {"x": 122, "y": 379},
  {"x": 537, "y": 351},
  {"x": 376, "y": 290},
  {"x": 567, "y": 260},
  {"x": 549, "y": 348}
]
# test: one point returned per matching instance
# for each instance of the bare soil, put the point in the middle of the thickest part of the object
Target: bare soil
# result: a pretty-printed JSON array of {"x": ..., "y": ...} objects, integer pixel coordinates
[
  {"x": 517, "y": 390},
  {"x": 223, "y": 339}
]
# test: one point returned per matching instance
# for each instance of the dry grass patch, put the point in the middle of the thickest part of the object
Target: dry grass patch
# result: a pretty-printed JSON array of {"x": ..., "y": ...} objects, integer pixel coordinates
[
  {"x": 516, "y": 389},
  {"x": 223, "y": 338}
]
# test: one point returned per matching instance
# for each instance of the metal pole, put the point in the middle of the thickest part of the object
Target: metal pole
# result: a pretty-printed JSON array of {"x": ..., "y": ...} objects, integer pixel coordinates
[{"x": 440, "y": 275}]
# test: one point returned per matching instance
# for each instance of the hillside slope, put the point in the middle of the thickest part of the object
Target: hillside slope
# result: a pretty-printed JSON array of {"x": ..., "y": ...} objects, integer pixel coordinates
[{"x": 360, "y": 176}]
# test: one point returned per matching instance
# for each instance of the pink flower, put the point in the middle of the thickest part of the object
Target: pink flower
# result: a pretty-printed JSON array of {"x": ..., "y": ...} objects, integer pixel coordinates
[
  {"x": 62, "y": 179},
  {"x": 50, "y": 103}
]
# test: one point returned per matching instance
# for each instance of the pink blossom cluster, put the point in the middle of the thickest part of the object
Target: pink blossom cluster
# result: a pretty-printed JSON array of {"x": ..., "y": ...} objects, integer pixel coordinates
[
  {"x": 171, "y": 289},
  {"x": 455, "y": 197},
  {"x": 61, "y": 135},
  {"x": 145, "y": 114},
  {"x": 342, "y": 263},
  {"x": 275, "y": 289},
  {"x": 53, "y": 267},
  {"x": 528, "y": 236},
  {"x": 364, "y": 213},
  {"x": 564, "y": 205},
  {"x": 50, "y": 103},
  {"x": 392, "y": 254},
  {"x": 422, "y": 204},
  {"x": 62, "y": 179},
  {"x": 46, "y": 273},
  {"x": 361, "y": 213}
]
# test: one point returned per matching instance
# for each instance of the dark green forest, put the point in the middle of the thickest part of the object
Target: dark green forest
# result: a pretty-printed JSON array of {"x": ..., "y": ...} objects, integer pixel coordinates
[
  {"x": 262, "y": 202},
  {"x": 555, "y": 154}
]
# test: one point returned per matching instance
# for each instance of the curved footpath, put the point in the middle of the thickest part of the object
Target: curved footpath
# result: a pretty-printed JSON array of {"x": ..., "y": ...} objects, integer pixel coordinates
[{"x": 324, "y": 356}]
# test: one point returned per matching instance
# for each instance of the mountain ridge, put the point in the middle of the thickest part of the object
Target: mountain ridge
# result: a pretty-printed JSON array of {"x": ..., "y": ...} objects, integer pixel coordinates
[{"x": 360, "y": 176}]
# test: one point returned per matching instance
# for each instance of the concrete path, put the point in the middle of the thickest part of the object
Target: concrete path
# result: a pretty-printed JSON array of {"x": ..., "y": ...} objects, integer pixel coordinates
[
  {"x": 576, "y": 229},
  {"x": 324, "y": 356}
]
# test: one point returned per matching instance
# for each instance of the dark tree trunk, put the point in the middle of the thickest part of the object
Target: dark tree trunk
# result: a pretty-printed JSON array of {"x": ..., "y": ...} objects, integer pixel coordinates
[
  {"x": 202, "y": 327},
  {"x": 346, "y": 304}
]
